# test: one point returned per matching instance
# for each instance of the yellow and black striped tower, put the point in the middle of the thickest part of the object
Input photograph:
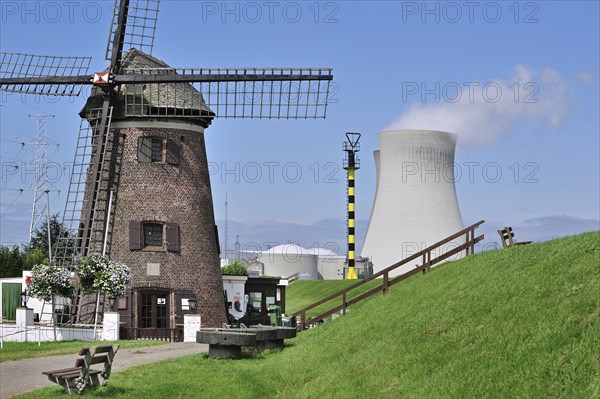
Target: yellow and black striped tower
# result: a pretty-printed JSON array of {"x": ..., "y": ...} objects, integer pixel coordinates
[{"x": 351, "y": 164}]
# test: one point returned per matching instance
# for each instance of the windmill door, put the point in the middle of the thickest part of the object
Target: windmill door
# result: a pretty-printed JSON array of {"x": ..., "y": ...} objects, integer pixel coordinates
[{"x": 153, "y": 322}]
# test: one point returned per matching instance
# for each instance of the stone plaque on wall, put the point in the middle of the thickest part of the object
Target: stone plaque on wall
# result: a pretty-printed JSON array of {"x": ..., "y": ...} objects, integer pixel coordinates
[{"x": 153, "y": 269}]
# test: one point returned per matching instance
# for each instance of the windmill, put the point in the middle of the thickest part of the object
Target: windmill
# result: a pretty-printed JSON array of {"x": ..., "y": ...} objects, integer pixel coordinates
[{"x": 140, "y": 189}]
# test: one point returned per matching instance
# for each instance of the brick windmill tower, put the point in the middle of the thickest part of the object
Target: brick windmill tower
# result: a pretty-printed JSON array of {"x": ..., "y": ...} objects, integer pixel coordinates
[{"x": 140, "y": 190}]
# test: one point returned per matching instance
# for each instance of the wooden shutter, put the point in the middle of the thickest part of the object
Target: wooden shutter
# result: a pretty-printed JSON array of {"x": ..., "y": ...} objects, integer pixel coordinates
[
  {"x": 145, "y": 149},
  {"x": 135, "y": 236},
  {"x": 173, "y": 244},
  {"x": 173, "y": 152}
]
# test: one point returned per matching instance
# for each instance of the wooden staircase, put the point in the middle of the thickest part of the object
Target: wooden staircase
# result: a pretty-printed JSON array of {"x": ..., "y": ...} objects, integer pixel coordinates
[{"x": 423, "y": 256}]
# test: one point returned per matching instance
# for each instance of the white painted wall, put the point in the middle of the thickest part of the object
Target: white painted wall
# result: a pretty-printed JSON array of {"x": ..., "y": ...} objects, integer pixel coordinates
[
  {"x": 32, "y": 303},
  {"x": 331, "y": 267}
]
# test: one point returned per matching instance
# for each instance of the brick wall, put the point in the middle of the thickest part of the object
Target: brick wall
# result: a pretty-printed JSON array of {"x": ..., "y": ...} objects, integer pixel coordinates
[{"x": 170, "y": 194}]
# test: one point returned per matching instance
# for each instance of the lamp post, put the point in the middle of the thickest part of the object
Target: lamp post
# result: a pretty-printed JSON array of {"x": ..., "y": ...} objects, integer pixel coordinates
[
  {"x": 193, "y": 302},
  {"x": 24, "y": 298},
  {"x": 191, "y": 320},
  {"x": 111, "y": 303}
]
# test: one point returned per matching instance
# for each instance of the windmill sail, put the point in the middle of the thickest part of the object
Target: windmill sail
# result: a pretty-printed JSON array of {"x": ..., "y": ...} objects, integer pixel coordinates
[
  {"x": 229, "y": 92},
  {"x": 139, "y": 28},
  {"x": 41, "y": 74},
  {"x": 148, "y": 87},
  {"x": 85, "y": 214}
]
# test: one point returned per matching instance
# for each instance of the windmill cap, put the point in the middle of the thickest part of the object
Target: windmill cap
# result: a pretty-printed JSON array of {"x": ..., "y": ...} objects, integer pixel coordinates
[{"x": 175, "y": 98}]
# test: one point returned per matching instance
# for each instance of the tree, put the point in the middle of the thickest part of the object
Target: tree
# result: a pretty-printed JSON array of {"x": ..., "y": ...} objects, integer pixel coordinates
[
  {"x": 14, "y": 261},
  {"x": 57, "y": 231},
  {"x": 33, "y": 257},
  {"x": 11, "y": 262}
]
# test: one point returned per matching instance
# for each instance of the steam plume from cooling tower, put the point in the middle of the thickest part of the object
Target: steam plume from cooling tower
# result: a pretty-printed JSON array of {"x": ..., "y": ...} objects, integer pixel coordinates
[{"x": 481, "y": 118}]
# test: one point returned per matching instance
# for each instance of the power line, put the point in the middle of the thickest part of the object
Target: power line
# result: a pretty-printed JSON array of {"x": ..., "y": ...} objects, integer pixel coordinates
[{"x": 20, "y": 193}]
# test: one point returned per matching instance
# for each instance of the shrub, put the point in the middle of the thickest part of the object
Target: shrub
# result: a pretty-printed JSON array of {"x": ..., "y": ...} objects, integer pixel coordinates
[{"x": 235, "y": 269}]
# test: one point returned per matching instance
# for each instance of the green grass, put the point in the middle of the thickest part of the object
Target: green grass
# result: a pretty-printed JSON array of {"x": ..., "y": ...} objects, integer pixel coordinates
[
  {"x": 306, "y": 292},
  {"x": 519, "y": 322},
  {"x": 25, "y": 350}
]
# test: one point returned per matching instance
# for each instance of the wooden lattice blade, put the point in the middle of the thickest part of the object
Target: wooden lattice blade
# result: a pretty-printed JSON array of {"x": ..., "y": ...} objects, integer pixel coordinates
[
  {"x": 195, "y": 75},
  {"x": 138, "y": 30},
  {"x": 94, "y": 210},
  {"x": 228, "y": 92},
  {"x": 41, "y": 74}
]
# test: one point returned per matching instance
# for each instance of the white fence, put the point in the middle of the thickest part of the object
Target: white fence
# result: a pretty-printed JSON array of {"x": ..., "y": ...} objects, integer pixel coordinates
[
  {"x": 24, "y": 330},
  {"x": 37, "y": 333}
]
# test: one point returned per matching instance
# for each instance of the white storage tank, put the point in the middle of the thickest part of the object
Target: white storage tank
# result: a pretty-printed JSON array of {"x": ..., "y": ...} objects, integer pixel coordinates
[
  {"x": 415, "y": 201},
  {"x": 288, "y": 259}
]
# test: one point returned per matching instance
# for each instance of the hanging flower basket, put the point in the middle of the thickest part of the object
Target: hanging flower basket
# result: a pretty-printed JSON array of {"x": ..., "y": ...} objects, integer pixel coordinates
[
  {"x": 49, "y": 280},
  {"x": 98, "y": 273}
]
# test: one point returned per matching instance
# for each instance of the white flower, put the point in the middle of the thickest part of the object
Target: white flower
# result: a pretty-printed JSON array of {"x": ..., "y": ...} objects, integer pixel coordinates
[
  {"x": 97, "y": 273},
  {"x": 50, "y": 280}
]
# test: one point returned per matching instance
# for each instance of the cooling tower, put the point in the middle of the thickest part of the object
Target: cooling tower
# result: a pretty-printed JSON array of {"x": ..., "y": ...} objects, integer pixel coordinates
[{"x": 415, "y": 200}]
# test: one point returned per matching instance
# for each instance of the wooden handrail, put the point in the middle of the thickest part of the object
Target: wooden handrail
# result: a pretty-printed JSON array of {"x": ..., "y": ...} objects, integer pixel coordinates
[{"x": 470, "y": 240}]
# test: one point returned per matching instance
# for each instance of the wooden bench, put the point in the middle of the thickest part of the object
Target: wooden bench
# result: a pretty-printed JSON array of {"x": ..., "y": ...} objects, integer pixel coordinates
[
  {"x": 507, "y": 237},
  {"x": 76, "y": 379}
]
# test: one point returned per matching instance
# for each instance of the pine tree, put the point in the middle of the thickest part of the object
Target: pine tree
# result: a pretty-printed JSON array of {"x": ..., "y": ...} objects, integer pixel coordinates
[
  {"x": 40, "y": 236},
  {"x": 11, "y": 262}
]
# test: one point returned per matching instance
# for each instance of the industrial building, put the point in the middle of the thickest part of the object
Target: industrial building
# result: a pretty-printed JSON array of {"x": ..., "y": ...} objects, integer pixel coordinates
[
  {"x": 309, "y": 264},
  {"x": 288, "y": 259}
]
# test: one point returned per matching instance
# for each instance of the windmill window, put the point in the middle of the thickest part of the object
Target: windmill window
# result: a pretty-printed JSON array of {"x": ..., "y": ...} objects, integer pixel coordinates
[
  {"x": 149, "y": 236},
  {"x": 158, "y": 150},
  {"x": 153, "y": 234}
]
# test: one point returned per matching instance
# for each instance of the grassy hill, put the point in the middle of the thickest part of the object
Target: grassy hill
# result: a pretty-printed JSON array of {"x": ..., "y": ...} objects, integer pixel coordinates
[
  {"x": 519, "y": 322},
  {"x": 306, "y": 292}
]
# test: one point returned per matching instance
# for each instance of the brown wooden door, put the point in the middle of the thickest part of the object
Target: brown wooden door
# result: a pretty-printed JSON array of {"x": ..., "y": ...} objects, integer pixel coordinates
[{"x": 153, "y": 319}]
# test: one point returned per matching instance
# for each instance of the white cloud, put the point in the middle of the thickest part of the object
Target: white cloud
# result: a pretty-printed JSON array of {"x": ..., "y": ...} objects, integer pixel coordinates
[
  {"x": 587, "y": 77},
  {"x": 487, "y": 111}
]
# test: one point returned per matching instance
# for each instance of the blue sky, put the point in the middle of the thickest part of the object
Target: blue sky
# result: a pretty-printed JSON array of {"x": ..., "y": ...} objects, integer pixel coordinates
[{"x": 532, "y": 114}]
